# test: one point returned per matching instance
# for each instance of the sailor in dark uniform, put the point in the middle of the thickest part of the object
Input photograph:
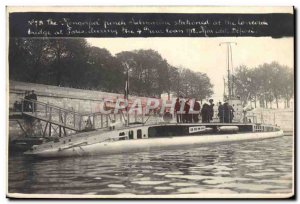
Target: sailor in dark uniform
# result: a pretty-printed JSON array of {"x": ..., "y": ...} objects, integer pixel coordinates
[
  {"x": 205, "y": 113},
  {"x": 186, "y": 112},
  {"x": 177, "y": 109},
  {"x": 221, "y": 112},
  {"x": 211, "y": 109},
  {"x": 196, "y": 108},
  {"x": 228, "y": 113}
]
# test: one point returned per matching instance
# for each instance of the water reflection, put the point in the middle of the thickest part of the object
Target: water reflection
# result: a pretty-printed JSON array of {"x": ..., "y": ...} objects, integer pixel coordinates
[{"x": 247, "y": 167}]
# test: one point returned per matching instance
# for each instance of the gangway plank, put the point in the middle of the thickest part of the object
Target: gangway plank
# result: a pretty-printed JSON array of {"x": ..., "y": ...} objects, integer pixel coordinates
[
  {"x": 32, "y": 111},
  {"x": 29, "y": 114}
]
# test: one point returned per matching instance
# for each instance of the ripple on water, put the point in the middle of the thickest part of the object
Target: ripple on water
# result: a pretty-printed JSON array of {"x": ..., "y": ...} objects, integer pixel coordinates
[
  {"x": 183, "y": 184},
  {"x": 163, "y": 188},
  {"x": 222, "y": 180},
  {"x": 262, "y": 174},
  {"x": 197, "y": 190},
  {"x": 190, "y": 177},
  {"x": 159, "y": 173},
  {"x": 116, "y": 186},
  {"x": 224, "y": 173},
  {"x": 168, "y": 173},
  {"x": 249, "y": 151},
  {"x": 252, "y": 187},
  {"x": 151, "y": 183}
]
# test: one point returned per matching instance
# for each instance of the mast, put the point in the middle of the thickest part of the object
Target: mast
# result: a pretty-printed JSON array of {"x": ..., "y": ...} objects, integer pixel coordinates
[
  {"x": 228, "y": 72},
  {"x": 229, "y": 61}
]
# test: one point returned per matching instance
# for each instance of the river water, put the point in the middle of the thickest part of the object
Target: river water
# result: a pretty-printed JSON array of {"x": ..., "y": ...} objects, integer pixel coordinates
[{"x": 263, "y": 167}]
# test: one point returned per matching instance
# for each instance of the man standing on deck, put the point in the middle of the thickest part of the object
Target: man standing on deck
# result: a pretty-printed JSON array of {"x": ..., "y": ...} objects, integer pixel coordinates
[
  {"x": 197, "y": 107},
  {"x": 228, "y": 113},
  {"x": 186, "y": 112},
  {"x": 211, "y": 109},
  {"x": 205, "y": 113},
  {"x": 33, "y": 97},
  {"x": 177, "y": 109},
  {"x": 221, "y": 112},
  {"x": 26, "y": 103}
]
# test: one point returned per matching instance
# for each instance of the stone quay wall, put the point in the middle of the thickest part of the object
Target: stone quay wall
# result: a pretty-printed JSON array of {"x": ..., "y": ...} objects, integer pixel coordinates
[{"x": 79, "y": 100}]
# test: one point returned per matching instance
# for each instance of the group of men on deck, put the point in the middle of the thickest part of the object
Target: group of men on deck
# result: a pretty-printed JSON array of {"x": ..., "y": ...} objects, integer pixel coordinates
[
  {"x": 184, "y": 116},
  {"x": 225, "y": 112}
]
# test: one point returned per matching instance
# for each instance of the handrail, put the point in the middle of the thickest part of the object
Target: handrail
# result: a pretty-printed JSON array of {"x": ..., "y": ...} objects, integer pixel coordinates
[
  {"x": 64, "y": 109},
  {"x": 53, "y": 106},
  {"x": 67, "y": 118}
]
